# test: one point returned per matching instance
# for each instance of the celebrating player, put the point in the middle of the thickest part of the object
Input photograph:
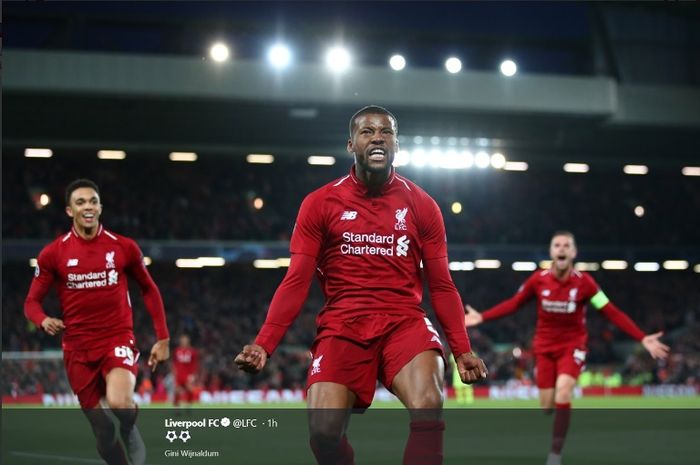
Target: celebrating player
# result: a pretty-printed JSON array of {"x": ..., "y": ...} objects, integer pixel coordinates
[
  {"x": 89, "y": 265},
  {"x": 186, "y": 367},
  {"x": 365, "y": 235},
  {"x": 560, "y": 335}
]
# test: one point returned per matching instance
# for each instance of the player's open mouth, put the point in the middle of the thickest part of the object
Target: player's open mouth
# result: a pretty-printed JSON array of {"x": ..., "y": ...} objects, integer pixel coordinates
[{"x": 377, "y": 155}]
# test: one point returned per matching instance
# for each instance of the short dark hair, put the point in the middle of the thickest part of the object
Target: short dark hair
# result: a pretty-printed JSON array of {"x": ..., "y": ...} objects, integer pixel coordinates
[
  {"x": 564, "y": 232},
  {"x": 372, "y": 110},
  {"x": 77, "y": 184}
]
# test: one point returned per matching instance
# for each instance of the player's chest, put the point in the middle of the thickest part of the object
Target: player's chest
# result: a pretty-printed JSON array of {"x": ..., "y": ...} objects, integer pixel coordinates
[
  {"x": 385, "y": 217},
  {"x": 184, "y": 356},
  {"x": 91, "y": 261},
  {"x": 560, "y": 298}
]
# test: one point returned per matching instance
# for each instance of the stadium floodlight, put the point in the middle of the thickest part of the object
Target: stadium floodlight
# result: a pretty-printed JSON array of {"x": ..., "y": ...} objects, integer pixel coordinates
[
  {"x": 498, "y": 161},
  {"x": 147, "y": 260},
  {"x": 418, "y": 140},
  {"x": 32, "y": 262},
  {"x": 419, "y": 158},
  {"x": 576, "y": 167},
  {"x": 456, "y": 208},
  {"x": 614, "y": 265},
  {"x": 464, "y": 141},
  {"x": 338, "y": 59},
  {"x": 675, "y": 265},
  {"x": 453, "y": 65},
  {"x": 435, "y": 140},
  {"x": 188, "y": 263},
  {"x": 696, "y": 268},
  {"x": 482, "y": 159},
  {"x": 639, "y": 211},
  {"x": 587, "y": 266},
  {"x": 691, "y": 171},
  {"x": 452, "y": 141},
  {"x": 508, "y": 68},
  {"x": 265, "y": 263},
  {"x": 646, "y": 266},
  {"x": 262, "y": 158},
  {"x": 487, "y": 264},
  {"x": 111, "y": 154},
  {"x": 466, "y": 159},
  {"x": 279, "y": 56},
  {"x": 44, "y": 200},
  {"x": 212, "y": 261},
  {"x": 524, "y": 266},
  {"x": 183, "y": 156},
  {"x": 437, "y": 159},
  {"x": 38, "y": 153},
  {"x": 461, "y": 266},
  {"x": 219, "y": 52},
  {"x": 397, "y": 62},
  {"x": 545, "y": 264},
  {"x": 402, "y": 158},
  {"x": 515, "y": 166},
  {"x": 284, "y": 262},
  {"x": 321, "y": 160},
  {"x": 258, "y": 203},
  {"x": 635, "y": 169}
]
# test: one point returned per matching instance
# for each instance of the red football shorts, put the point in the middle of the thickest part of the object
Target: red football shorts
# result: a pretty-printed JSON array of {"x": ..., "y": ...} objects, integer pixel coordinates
[
  {"x": 87, "y": 369},
  {"x": 370, "y": 348},
  {"x": 567, "y": 360}
]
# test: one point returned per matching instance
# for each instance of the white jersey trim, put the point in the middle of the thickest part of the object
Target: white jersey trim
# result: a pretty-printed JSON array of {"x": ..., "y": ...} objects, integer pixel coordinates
[
  {"x": 577, "y": 273},
  {"x": 111, "y": 235},
  {"x": 67, "y": 236},
  {"x": 544, "y": 272},
  {"x": 404, "y": 182},
  {"x": 341, "y": 181}
]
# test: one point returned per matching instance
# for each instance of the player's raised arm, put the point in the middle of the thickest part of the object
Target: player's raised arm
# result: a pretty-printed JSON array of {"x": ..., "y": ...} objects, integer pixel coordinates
[
  {"x": 472, "y": 317},
  {"x": 508, "y": 306}
]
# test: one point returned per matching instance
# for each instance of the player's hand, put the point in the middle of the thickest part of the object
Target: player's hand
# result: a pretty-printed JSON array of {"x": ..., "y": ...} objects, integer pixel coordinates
[
  {"x": 160, "y": 352},
  {"x": 656, "y": 348},
  {"x": 52, "y": 326},
  {"x": 252, "y": 358},
  {"x": 472, "y": 317},
  {"x": 471, "y": 368}
]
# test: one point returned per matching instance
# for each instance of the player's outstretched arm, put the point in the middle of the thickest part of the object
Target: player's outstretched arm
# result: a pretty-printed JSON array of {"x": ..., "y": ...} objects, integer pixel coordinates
[
  {"x": 472, "y": 317},
  {"x": 251, "y": 359},
  {"x": 53, "y": 326},
  {"x": 471, "y": 368},
  {"x": 160, "y": 352},
  {"x": 656, "y": 348}
]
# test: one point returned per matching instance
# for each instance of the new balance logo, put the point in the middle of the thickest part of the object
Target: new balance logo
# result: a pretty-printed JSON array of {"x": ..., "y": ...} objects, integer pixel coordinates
[
  {"x": 72, "y": 262},
  {"x": 402, "y": 246},
  {"x": 348, "y": 215}
]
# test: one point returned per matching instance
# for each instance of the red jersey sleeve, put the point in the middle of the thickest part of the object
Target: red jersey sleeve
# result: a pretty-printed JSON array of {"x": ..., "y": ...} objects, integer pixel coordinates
[
  {"x": 151, "y": 295},
  {"x": 44, "y": 276},
  {"x": 600, "y": 301},
  {"x": 309, "y": 230},
  {"x": 526, "y": 292},
  {"x": 432, "y": 228}
]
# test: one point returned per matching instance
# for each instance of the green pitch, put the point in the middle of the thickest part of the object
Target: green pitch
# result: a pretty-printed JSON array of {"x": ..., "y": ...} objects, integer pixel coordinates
[{"x": 604, "y": 431}]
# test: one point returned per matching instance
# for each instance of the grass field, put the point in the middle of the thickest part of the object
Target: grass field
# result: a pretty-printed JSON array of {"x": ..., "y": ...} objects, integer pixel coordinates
[{"x": 605, "y": 430}]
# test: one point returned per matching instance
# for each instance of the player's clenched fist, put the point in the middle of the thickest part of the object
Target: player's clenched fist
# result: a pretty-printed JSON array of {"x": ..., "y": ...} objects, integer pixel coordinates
[
  {"x": 52, "y": 326},
  {"x": 252, "y": 358},
  {"x": 471, "y": 368}
]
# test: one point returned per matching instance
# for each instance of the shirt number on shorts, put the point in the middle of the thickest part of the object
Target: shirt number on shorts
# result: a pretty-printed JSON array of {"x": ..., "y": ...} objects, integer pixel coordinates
[{"x": 126, "y": 353}]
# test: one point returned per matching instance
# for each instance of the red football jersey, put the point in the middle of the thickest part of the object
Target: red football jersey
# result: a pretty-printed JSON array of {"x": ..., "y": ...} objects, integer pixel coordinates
[
  {"x": 90, "y": 276},
  {"x": 561, "y": 308},
  {"x": 185, "y": 361},
  {"x": 369, "y": 248}
]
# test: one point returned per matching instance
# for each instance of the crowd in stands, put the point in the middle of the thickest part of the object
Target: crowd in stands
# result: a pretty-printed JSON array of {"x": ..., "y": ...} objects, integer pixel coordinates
[
  {"x": 223, "y": 308},
  {"x": 147, "y": 197}
]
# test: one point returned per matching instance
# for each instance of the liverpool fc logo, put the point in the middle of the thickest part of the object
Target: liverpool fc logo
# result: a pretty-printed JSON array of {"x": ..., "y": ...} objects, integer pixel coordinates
[
  {"x": 401, "y": 219},
  {"x": 109, "y": 257}
]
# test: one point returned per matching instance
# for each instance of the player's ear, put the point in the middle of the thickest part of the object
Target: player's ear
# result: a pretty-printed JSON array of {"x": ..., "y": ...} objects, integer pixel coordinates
[
  {"x": 69, "y": 211},
  {"x": 349, "y": 147}
]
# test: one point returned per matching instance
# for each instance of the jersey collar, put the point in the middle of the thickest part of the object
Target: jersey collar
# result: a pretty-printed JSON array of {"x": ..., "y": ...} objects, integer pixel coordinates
[
  {"x": 80, "y": 238},
  {"x": 362, "y": 187}
]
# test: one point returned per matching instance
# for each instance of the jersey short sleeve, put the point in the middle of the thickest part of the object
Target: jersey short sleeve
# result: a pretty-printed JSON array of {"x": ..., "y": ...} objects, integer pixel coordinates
[
  {"x": 432, "y": 230},
  {"x": 309, "y": 230}
]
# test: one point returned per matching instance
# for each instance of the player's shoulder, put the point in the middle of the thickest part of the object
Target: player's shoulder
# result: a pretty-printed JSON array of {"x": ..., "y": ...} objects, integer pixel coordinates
[
  {"x": 333, "y": 188},
  {"x": 56, "y": 245},
  {"x": 585, "y": 277},
  {"x": 413, "y": 191}
]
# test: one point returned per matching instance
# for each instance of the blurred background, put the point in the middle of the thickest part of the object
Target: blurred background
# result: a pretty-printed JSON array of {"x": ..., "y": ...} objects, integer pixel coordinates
[{"x": 206, "y": 124}]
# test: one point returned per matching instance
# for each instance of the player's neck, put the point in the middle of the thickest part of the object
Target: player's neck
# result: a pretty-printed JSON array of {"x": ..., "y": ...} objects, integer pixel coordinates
[
  {"x": 561, "y": 275},
  {"x": 86, "y": 233},
  {"x": 371, "y": 179}
]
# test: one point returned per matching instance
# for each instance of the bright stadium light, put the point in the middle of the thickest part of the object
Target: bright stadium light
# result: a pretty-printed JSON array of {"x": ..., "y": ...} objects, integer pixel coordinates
[
  {"x": 696, "y": 268},
  {"x": 212, "y": 261},
  {"x": 262, "y": 158},
  {"x": 437, "y": 159},
  {"x": 461, "y": 266},
  {"x": 38, "y": 153},
  {"x": 188, "y": 263},
  {"x": 32, "y": 262},
  {"x": 487, "y": 264},
  {"x": 465, "y": 159},
  {"x": 576, "y": 167},
  {"x": 148, "y": 261},
  {"x": 419, "y": 158},
  {"x": 321, "y": 160},
  {"x": 646, "y": 266},
  {"x": 418, "y": 140},
  {"x": 258, "y": 203},
  {"x": 545, "y": 264},
  {"x": 524, "y": 266},
  {"x": 453, "y": 65},
  {"x": 183, "y": 156},
  {"x": 675, "y": 265},
  {"x": 515, "y": 166},
  {"x": 456, "y": 208},
  {"x": 498, "y": 161},
  {"x": 691, "y": 171},
  {"x": 482, "y": 160},
  {"x": 587, "y": 266},
  {"x": 639, "y": 211},
  {"x": 402, "y": 158},
  {"x": 508, "y": 68},
  {"x": 219, "y": 52},
  {"x": 111, "y": 154},
  {"x": 44, "y": 200},
  {"x": 614, "y": 265},
  {"x": 338, "y": 59},
  {"x": 435, "y": 140},
  {"x": 279, "y": 56},
  {"x": 635, "y": 169},
  {"x": 397, "y": 62}
]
